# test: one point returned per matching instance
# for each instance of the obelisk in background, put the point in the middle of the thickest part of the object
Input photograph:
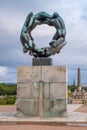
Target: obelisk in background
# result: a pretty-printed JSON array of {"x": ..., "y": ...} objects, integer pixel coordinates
[{"x": 79, "y": 81}]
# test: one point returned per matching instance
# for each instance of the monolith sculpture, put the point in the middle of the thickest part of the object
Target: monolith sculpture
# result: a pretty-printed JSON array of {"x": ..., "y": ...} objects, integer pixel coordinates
[{"x": 42, "y": 87}]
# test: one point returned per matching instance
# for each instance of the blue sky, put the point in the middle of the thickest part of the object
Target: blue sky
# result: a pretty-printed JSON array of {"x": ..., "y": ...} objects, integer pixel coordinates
[{"x": 12, "y": 16}]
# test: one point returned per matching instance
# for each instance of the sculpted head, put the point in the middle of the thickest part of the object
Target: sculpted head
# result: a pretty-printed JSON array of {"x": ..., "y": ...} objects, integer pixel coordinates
[{"x": 55, "y": 15}]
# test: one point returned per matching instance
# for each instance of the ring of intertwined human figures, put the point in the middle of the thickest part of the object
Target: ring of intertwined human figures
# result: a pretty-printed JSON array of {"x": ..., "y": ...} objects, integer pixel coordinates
[
  {"x": 58, "y": 40},
  {"x": 44, "y": 51}
]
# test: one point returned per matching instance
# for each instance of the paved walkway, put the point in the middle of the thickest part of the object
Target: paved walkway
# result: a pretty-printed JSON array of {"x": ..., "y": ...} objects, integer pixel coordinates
[
  {"x": 73, "y": 115},
  {"x": 83, "y": 109},
  {"x": 40, "y": 127},
  {"x": 8, "y": 113},
  {"x": 9, "y": 121}
]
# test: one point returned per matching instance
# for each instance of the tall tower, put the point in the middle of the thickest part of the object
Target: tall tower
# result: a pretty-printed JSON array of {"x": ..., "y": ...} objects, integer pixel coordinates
[{"x": 79, "y": 81}]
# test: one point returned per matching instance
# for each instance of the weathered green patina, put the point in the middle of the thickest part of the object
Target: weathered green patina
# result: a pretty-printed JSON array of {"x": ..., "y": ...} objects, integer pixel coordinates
[{"x": 58, "y": 40}]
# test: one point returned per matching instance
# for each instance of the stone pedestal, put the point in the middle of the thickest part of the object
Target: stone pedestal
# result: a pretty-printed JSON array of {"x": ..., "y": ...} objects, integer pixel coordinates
[
  {"x": 42, "y": 91},
  {"x": 41, "y": 61}
]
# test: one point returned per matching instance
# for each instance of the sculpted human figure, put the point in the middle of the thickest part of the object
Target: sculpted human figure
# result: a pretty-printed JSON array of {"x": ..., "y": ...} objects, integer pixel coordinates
[
  {"x": 41, "y": 18},
  {"x": 25, "y": 36},
  {"x": 58, "y": 23},
  {"x": 58, "y": 40}
]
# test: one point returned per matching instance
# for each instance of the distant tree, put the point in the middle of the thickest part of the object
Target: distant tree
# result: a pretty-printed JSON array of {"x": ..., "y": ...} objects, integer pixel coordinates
[
  {"x": 84, "y": 88},
  {"x": 8, "y": 89},
  {"x": 8, "y": 100},
  {"x": 72, "y": 88}
]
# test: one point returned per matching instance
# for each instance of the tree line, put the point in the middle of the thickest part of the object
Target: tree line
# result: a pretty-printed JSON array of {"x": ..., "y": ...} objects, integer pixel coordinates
[
  {"x": 8, "y": 89},
  {"x": 8, "y": 93}
]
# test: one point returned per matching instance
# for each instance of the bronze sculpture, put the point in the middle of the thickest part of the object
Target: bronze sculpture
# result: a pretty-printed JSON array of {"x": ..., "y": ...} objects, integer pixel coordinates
[{"x": 58, "y": 40}]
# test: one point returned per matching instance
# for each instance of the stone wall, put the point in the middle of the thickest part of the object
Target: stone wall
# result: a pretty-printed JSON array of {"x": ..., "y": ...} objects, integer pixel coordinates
[{"x": 42, "y": 91}]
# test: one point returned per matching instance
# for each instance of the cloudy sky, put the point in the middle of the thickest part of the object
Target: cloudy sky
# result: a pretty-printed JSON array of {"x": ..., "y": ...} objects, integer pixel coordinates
[{"x": 12, "y": 16}]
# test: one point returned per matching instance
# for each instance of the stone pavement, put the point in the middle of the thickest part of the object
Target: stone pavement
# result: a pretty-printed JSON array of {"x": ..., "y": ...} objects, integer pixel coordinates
[
  {"x": 72, "y": 116},
  {"x": 82, "y": 109},
  {"x": 40, "y": 127}
]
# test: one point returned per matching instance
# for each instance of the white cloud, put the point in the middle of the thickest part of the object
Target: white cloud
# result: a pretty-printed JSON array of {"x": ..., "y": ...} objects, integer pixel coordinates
[
  {"x": 82, "y": 60},
  {"x": 42, "y": 35},
  {"x": 12, "y": 20},
  {"x": 7, "y": 74},
  {"x": 43, "y": 31},
  {"x": 3, "y": 70}
]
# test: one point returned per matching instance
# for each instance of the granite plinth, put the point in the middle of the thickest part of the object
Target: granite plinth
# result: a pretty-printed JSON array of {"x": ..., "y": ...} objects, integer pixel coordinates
[
  {"x": 41, "y": 61},
  {"x": 42, "y": 91}
]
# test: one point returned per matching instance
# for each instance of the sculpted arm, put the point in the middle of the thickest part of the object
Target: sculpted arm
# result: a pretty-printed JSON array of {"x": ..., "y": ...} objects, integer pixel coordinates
[{"x": 63, "y": 28}]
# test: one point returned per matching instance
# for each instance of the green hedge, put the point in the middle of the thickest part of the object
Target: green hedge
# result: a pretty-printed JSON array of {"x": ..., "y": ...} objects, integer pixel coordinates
[
  {"x": 2, "y": 102},
  {"x": 8, "y": 100}
]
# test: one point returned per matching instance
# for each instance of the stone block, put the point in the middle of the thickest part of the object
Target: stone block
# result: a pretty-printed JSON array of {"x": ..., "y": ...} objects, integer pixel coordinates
[
  {"x": 41, "y": 61},
  {"x": 54, "y": 108},
  {"x": 54, "y": 74},
  {"x": 29, "y": 74},
  {"x": 25, "y": 90},
  {"x": 59, "y": 108},
  {"x": 58, "y": 90},
  {"x": 27, "y": 107},
  {"x": 46, "y": 107},
  {"x": 46, "y": 90},
  {"x": 41, "y": 91}
]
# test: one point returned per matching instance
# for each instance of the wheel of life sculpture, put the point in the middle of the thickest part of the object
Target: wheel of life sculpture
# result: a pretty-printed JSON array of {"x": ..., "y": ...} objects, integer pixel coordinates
[{"x": 58, "y": 40}]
